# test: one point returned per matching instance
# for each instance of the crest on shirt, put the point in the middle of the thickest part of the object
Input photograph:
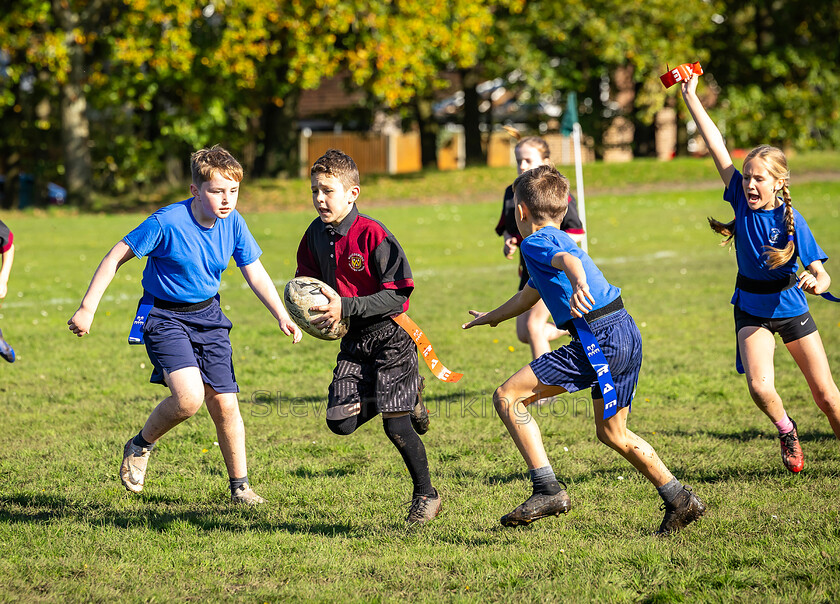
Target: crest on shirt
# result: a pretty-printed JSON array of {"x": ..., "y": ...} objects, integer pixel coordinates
[
  {"x": 774, "y": 235},
  {"x": 356, "y": 261}
]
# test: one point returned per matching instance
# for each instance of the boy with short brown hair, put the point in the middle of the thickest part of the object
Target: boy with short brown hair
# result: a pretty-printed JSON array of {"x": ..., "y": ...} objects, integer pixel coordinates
[
  {"x": 188, "y": 245},
  {"x": 605, "y": 355},
  {"x": 376, "y": 370}
]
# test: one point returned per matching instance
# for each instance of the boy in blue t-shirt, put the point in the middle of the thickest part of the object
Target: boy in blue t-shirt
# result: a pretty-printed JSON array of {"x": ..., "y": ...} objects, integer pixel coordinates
[
  {"x": 187, "y": 336},
  {"x": 566, "y": 278}
]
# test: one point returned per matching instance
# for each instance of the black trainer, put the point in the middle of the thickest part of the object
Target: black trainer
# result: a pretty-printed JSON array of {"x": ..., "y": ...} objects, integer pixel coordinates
[
  {"x": 685, "y": 509},
  {"x": 539, "y": 506},
  {"x": 420, "y": 415}
]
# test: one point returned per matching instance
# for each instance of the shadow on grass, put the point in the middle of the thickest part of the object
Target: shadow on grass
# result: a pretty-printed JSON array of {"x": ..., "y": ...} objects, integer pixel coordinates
[
  {"x": 749, "y": 435},
  {"x": 150, "y": 514}
]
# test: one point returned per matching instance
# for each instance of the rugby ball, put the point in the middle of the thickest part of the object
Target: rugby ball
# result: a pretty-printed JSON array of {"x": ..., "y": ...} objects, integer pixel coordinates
[{"x": 301, "y": 294}]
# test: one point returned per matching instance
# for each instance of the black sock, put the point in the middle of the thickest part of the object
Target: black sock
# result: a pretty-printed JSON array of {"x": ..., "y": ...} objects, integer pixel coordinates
[
  {"x": 139, "y": 441},
  {"x": 544, "y": 480},
  {"x": 405, "y": 439},
  {"x": 235, "y": 483}
]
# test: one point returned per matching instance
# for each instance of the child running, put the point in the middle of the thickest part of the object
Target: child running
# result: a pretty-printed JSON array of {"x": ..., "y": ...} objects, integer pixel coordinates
[
  {"x": 533, "y": 326},
  {"x": 376, "y": 371},
  {"x": 187, "y": 336},
  {"x": 565, "y": 277},
  {"x": 769, "y": 235},
  {"x": 7, "y": 257}
]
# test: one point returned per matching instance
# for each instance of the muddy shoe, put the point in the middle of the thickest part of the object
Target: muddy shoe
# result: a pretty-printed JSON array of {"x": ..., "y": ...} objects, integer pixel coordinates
[
  {"x": 8, "y": 353},
  {"x": 246, "y": 496},
  {"x": 133, "y": 468},
  {"x": 684, "y": 510},
  {"x": 538, "y": 506},
  {"x": 792, "y": 455},
  {"x": 424, "y": 508},
  {"x": 420, "y": 415}
]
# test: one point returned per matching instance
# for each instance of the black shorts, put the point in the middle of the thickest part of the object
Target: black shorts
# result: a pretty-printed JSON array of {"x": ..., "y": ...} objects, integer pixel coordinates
[
  {"x": 377, "y": 367},
  {"x": 789, "y": 328}
]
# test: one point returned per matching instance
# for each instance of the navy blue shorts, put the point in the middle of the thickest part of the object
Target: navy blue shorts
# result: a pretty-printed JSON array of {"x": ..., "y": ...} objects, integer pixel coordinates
[
  {"x": 621, "y": 344},
  {"x": 201, "y": 338},
  {"x": 377, "y": 368}
]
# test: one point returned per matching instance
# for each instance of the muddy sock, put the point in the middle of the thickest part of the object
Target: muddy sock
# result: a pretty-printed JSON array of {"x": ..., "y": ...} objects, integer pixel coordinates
[
  {"x": 670, "y": 490},
  {"x": 405, "y": 439},
  {"x": 544, "y": 481}
]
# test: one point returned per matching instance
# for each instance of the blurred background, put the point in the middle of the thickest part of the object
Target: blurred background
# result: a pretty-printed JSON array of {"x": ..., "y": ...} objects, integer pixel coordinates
[{"x": 109, "y": 97}]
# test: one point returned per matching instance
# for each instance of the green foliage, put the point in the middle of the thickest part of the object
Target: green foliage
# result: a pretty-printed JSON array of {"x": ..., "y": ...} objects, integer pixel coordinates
[{"x": 776, "y": 66}]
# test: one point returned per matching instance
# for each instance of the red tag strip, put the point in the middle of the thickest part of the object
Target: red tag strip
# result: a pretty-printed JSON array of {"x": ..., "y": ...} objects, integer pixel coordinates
[
  {"x": 680, "y": 74},
  {"x": 425, "y": 348}
]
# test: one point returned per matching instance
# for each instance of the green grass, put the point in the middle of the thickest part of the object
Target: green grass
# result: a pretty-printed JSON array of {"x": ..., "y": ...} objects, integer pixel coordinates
[{"x": 334, "y": 527}]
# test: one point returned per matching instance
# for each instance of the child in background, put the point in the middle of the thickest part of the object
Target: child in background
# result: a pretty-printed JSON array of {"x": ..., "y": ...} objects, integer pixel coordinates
[
  {"x": 187, "y": 336},
  {"x": 533, "y": 326},
  {"x": 376, "y": 370},
  {"x": 769, "y": 235},
  {"x": 7, "y": 255},
  {"x": 565, "y": 277}
]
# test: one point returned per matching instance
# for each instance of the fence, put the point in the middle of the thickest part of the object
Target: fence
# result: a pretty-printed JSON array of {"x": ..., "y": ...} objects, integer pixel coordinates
[{"x": 398, "y": 153}]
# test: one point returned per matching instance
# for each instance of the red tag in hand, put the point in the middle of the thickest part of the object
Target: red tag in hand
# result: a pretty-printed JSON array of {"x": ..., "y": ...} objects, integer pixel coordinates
[{"x": 680, "y": 74}]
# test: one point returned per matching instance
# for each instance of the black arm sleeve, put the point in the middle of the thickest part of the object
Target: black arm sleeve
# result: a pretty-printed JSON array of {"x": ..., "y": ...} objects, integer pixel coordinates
[{"x": 381, "y": 304}]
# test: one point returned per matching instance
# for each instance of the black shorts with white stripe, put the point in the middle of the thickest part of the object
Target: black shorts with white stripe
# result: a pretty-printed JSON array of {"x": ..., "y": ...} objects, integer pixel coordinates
[{"x": 375, "y": 367}]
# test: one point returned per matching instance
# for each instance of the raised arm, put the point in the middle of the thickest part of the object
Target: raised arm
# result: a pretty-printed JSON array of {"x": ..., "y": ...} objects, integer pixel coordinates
[
  {"x": 707, "y": 128},
  {"x": 81, "y": 320},
  {"x": 261, "y": 284}
]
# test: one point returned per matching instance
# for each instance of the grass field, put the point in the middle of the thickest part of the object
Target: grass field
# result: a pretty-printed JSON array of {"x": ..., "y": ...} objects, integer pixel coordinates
[{"x": 334, "y": 525}]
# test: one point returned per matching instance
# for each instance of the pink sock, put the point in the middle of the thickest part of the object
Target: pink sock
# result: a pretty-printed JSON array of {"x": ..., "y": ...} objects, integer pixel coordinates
[{"x": 784, "y": 426}]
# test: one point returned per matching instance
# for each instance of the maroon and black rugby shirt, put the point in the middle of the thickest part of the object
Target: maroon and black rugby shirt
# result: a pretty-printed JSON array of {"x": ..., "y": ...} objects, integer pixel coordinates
[{"x": 363, "y": 262}]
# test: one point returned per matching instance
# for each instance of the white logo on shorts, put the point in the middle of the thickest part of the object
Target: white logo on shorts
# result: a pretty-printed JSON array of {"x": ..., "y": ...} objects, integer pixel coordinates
[{"x": 805, "y": 321}]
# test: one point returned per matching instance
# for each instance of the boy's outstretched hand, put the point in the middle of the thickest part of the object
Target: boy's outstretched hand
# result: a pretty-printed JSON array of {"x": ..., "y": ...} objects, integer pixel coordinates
[
  {"x": 479, "y": 320},
  {"x": 290, "y": 328},
  {"x": 80, "y": 322}
]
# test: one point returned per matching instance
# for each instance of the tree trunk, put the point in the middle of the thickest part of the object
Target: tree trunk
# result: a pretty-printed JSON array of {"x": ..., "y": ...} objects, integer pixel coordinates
[
  {"x": 618, "y": 137},
  {"x": 428, "y": 132},
  {"x": 75, "y": 128},
  {"x": 279, "y": 137},
  {"x": 472, "y": 118}
]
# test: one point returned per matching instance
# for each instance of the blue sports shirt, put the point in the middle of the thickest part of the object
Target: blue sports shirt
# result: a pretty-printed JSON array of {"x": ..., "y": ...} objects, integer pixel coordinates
[
  {"x": 538, "y": 249},
  {"x": 186, "y": 260},
  {"x": 755, "y": 229}
]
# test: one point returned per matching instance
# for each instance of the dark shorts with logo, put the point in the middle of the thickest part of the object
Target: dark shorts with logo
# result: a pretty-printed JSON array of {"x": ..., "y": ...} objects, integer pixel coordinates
[
  {"x": 376, "y": 367},
  {"x": 789, "y": 328},
  {"x": 175, "y": 340},
  {"x": 621, "y": 343}
]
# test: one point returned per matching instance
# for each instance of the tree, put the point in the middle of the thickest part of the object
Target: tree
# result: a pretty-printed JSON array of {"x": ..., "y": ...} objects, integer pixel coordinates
[{"x": 776, "y": 63}]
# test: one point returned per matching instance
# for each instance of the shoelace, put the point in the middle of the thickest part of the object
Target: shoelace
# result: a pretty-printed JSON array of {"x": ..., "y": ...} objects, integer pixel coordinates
[
  {"x": 419, "y": 505},
  {"x": 789, "y": 440}
]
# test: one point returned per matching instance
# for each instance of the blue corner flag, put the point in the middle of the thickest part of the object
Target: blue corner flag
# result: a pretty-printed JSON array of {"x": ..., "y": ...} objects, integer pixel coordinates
[{"x": 570, "y": 115}]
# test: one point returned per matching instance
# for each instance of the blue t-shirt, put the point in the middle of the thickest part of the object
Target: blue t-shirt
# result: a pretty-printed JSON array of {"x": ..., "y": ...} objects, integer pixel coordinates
[
  {"x": 755, "y": 229},
  {"x": 186, "y": 260},
  {"x": 538, "y": 250}
]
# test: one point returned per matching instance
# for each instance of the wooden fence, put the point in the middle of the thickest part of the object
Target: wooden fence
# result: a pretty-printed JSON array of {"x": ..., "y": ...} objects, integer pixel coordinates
[{"x": 398, "y": 153}]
